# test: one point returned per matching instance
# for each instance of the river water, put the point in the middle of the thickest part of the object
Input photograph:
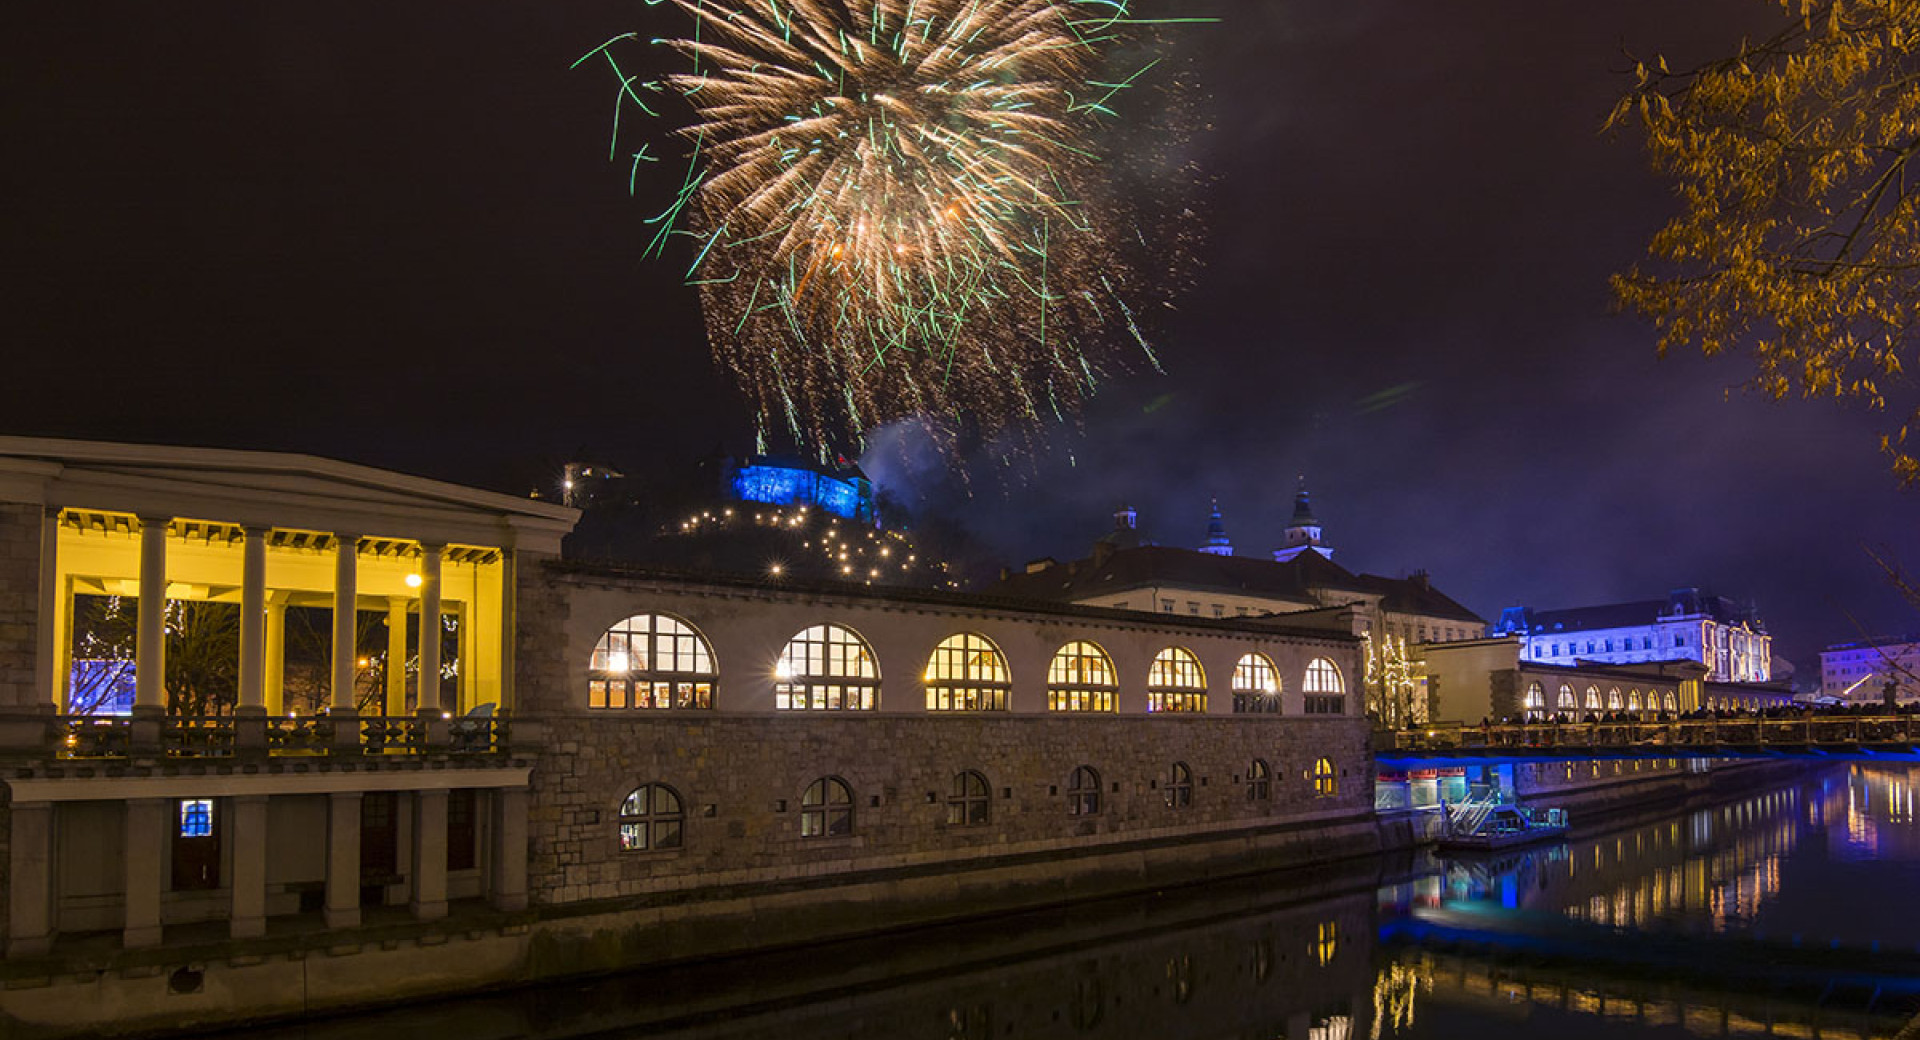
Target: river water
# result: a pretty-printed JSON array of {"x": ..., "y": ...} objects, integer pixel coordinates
[{"x": 1791, "y": 911}]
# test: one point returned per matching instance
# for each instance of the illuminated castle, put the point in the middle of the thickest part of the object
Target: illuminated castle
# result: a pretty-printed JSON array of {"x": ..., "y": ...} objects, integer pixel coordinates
[{"x": 773, "y": 480}]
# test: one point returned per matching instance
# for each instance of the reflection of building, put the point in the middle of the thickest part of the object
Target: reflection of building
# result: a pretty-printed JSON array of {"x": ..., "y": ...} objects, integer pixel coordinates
[
  {"x": 1728, "y": 639},
  {"x": 1127, "y": 572},
  {"x": 602, "y": 740},
  {"x": 1859, "y": 672}
]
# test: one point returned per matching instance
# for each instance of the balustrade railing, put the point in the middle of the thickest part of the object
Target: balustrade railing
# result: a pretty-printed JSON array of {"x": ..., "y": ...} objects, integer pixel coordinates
[
  {"x": 1786, "y": 733},
  {"x": 225, "y": 736}
]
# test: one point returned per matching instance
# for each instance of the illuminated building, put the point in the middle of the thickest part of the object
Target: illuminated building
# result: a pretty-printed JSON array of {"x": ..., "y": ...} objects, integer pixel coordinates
[
  {"x": 1859, "y": 672},
  {"x": 1731, "y": 641},
  {"x": 1303, "y": 531},
  {"x": 843, "y": 491}
]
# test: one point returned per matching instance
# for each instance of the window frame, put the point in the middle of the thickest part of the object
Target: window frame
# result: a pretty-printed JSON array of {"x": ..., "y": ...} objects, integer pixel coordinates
[
  {"x": 1073, "y": 693},
  {"x": 1326, "y": 780},
  {"x": 1176, "y": 683},
  {"x": 1084, "y": 792},
  {"x": 971, "y": 800},
  {"x": 821, "y": 814},
  {"x": 661, "y": 688},
  {"x": 1248, "y": 697},
  {"x": 1259, "y": 781},
  {"x": 656, "y": 829},
  {"x": 836, "y": 649},
  {"x": 980, "y": 692},
  {"x": 1178, "y": 790},
  {"x": 1319, "y": 701}
]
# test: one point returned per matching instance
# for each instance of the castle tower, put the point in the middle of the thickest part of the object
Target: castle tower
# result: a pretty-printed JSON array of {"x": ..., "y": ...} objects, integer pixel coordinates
[
  {"x": 1303, "y": 533},
  {"x": 1217, "y": 543}
]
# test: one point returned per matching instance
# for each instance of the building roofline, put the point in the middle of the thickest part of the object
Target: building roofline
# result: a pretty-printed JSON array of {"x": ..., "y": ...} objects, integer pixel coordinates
[{"x": 1268, "y": 624}]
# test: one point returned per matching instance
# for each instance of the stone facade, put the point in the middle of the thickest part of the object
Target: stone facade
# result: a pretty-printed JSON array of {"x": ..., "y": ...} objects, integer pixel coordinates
[{"x": 19, "y": 599}]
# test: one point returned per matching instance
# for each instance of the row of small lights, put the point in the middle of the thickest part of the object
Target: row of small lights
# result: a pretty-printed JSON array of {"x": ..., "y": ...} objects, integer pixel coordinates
[{"x": 833, "y": 544}]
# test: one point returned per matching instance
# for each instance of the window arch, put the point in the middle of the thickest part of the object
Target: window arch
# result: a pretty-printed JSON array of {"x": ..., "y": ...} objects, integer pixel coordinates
[
  {"x": 1083, "y": 792},
  {"x": 651, "y": 819},
  {"x": 1176, "y": 682},
  {"x": 1593, "y": 698},
  {"x": 1179, "y": 792},
  {"x": 1256, "y": 686},
  {"x": 1324, "y": 689},
  {"x": 1081, "y": 678},
  {"x": 1259, "y": 781},
  {"x": 1536, "y": 701},
  {"x": 826, "y": 668},
  {"x": 1325, "y": 783},
  {"x": 967, "y": 673},
  {"x": 651, "y": 661},
  {"x": 1633, "y": 700},
  {"x": 826, "y": 809},
  {"x": 1672, "y": 703},
  {"x": 970, "y": 801},
  {"x": 1613, "y": 699},
  {"x": 1566, "y": 700}
]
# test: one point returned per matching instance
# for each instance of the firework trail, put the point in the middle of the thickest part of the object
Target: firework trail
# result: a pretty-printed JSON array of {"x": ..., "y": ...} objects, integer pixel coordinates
[{"x": 898, "y": 208}]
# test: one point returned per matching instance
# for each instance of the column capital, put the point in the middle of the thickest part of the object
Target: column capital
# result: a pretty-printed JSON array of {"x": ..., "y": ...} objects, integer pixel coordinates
[
  {"x": 347, "y": 538},
  {"x": 256, "y": 530},
  {"x": 433, "y": 547},
  {"x": 153, "y": 521}
]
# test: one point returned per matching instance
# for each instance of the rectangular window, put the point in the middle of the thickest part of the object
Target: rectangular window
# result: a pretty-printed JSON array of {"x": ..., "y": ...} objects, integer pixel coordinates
[
  {"x": 1609, "y": 646},
  {"x": 196, "y": 817},
  {"x": 1193, "y": 607},
  {"x": 1680, "y": 640},
  {"x": 1166, "y": 606},
  {"x": 1219, "y": 611},
  {"x": 1325, "y": 704}
]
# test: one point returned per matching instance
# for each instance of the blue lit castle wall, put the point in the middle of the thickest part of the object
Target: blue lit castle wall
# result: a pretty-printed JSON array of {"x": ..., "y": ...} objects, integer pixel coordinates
[{"x": 844, "y": 493}]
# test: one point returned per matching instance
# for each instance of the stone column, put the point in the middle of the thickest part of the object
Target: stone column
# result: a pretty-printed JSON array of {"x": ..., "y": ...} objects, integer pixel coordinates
[
  {"x": 50, "y": 687},
  {"x": 343, "y": 859},
  {"x": 249, "y": 830},
  {"x": 250, "y": 715},
  {"x": 429, "y": 897},
  {"x": 507, "y": 886},
  {"x": 345, "y": 621},
  {"x": 146, "y": 845},
  {"x": 428, "y": 699},
  {"x": 30, "y": 880},
  {"x": 150, "y": 643},
  {"x": 396, "y": 655},
  {"x": 508, "y": 567},
  {"x": 276, "y": 664}
]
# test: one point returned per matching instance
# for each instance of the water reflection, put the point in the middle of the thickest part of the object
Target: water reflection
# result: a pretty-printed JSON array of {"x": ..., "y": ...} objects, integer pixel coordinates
[{"x": 1727, "y": 920}]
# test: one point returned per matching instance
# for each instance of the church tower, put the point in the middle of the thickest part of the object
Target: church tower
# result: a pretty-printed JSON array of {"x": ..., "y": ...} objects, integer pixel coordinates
[
  {"x": 1217, "y": 542},
  {"x": 1303, "y": 533}
]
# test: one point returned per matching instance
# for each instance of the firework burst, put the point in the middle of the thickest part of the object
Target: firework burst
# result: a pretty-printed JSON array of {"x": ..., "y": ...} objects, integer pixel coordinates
[{"x": 898, "y": 208}]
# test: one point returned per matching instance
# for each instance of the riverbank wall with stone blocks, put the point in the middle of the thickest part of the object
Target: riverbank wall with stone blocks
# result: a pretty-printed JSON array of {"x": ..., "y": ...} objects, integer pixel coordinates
[{"x": 99, "y": 989}]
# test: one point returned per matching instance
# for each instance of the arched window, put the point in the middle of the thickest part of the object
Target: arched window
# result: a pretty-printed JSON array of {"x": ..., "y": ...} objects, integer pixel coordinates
[
  {"x": 1672, "y": 704},
  {"x": 1613, "y": 699},
  {"x": 650, "y": 819},
  {"x": 1566, "y": 700},
  {"x": 1633, "y": 700},
  {"x": 1324, "y": 781},
  {"x": 1259, "y": 781},
  {"x": 651, "y": 661},
  {"x": 1536, "y": 701},
  {"x": 1256, "y": 686},
  {"x": 826, "y": 668},
  {"x": 967, "y": 673},
  {"x": 1179, "y": 792},
  {"x": 1325, "y": 691},
  {"x": 1175, "y": 682},
  {"x": 968, "y": 805},
  {"x": 1593, "y": 698},
  {"x": 826, "y": 809},
  {"x": 1081, "y": 678},
  {"x": 1083, "y": 792}
]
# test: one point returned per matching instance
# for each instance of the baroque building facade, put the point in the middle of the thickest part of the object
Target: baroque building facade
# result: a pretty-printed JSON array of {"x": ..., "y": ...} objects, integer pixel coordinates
[{"x": 1729, "y": 640}]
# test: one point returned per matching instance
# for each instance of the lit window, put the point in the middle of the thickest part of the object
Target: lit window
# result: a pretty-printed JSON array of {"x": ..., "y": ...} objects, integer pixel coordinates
[
  {"x": 650, "y": 819},
  {"x": 1259, "y": 781},
  {"x": 1324, "y": 690},
  {"x": 1566, "y": 699},
  {"x": 967, "y": 673},
  {"x": 651, "y": 661},
  {"x": 826, "y": 668},
  {"x": 1593, "y": 698},
  {"x": 1614, "y": 703},
  {"x": 1324, "y": 782},
  {"x": 1175, "y": 682},
  {"x": 826, "y": 809},
  {"x": 968, "y": 805},
  {"x": 196, "y": 817},
  {"x": 1328, "y": 944},
  {"x": 1536, "y": 700},
  {"x": 1671, "y": 703},
  {"x": 1633, "y": 700},
  {"x": 1179, "y": 792},
  {"x": 1256, "y": 685},
  {"x": 1083, "y": 792},
  {"x": 1081, "y": 678}
]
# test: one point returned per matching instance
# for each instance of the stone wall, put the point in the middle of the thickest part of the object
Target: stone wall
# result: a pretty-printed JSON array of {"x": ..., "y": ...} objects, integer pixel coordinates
[
  {"x": 741, "y": 781},
  {"x": 19, "y": 600}
]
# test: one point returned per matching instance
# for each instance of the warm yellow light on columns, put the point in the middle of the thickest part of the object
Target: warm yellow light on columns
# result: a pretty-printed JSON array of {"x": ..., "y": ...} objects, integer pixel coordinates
[
  {"x": 150, "y": 640},
  {"x": 346, "y": 627},
  {"x": 253, "y": 620},
  {"x": 428, "y": 698}
]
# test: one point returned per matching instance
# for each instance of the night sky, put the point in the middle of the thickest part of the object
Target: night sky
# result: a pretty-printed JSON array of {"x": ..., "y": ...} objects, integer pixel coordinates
[{"x": 390, "y": 233}]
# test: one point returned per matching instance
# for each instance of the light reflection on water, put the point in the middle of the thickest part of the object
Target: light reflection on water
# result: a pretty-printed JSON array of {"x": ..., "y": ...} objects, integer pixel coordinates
[{"x": 1330, "y": 957}]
